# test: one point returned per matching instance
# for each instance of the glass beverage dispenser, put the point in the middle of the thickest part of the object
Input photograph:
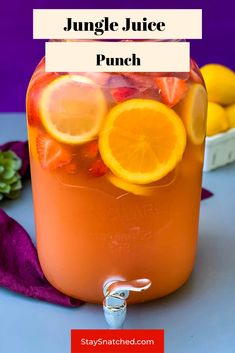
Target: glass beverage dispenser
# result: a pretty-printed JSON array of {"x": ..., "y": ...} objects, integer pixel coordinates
[{"x": 116, "y": 165}]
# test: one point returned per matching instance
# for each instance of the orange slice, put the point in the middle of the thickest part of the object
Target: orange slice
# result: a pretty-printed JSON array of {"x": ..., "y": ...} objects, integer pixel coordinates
[
  {"x": 72, "y": 109},
  {"x": 142, "y": 140},
  {"x": 193, "y": 109}
]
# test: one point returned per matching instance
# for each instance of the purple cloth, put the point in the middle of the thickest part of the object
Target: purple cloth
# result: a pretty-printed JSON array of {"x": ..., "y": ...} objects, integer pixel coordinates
[
  {"x": 206, "y": 194},
  {"x": 20, "y": 270}
]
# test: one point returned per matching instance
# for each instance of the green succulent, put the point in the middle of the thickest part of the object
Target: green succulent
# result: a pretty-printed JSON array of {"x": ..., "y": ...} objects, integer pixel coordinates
[{"x": 10, "y": 179}]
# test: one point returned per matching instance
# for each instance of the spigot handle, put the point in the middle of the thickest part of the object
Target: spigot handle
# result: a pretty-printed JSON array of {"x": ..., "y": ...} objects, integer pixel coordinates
[
  {"x": 136, "y": 285},
  {"x": 116, "y": 293}
]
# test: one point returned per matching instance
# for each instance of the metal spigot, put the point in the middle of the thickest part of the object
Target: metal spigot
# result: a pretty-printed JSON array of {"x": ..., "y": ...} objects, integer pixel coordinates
[{"x": 116, "y": 293}]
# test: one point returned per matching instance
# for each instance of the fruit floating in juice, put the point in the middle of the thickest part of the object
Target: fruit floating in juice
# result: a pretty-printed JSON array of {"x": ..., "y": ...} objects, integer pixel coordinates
[{"x": 116, "y": 164}]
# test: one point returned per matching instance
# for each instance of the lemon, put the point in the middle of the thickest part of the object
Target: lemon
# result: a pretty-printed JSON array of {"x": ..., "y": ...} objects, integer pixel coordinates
[
  {"x": 72, "y": 109},
  {"x": 230, "y": 111},
  {"x": 216, "y": 119},
  {"x": 220, "y": 83},
  {"x": 192, "y": 109},
  {"x": 142, "y": 140}
]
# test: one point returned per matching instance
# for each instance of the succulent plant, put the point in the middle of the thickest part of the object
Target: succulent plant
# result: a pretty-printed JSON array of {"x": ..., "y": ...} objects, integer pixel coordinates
[{"x": 10, "y": 179}]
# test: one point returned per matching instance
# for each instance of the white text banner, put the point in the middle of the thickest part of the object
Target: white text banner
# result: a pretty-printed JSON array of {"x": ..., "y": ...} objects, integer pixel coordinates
[
  {"x": 117, "y": 56},
  {"x": 117, "y": 24}
]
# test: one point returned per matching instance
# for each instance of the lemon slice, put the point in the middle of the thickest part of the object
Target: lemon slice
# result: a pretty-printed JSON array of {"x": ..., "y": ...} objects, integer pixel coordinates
[
  {"x": 193, "y": 109},
  {"x": 72, "y": 109},
  {"x": 142, "y": 140}
]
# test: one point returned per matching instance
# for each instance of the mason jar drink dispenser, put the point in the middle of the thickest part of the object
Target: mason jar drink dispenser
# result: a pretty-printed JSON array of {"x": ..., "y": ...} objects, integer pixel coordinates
[{"x": 116, "y": 165}]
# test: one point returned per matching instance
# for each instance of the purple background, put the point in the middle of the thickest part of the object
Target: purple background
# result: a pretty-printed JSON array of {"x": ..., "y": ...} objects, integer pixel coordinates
[{"x": 20, "y": 53}]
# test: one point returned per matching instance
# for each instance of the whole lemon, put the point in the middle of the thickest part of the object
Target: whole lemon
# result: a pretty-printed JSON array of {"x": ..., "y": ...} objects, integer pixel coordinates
[
  {"x": 230, "y": 111},
  {"x": 220, "y": 83},
  {"x": 216, "y": 119}
]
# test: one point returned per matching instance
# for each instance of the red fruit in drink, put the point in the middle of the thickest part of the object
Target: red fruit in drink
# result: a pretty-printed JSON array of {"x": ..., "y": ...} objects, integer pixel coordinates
[
  {"x": 98, "y": 168},
  {"x": 90, "y": 150},
  {"x": 52, "y": 155},
  {"x": 40, "y": 80},
  {"x": 171, "y": 89},
  {"x": 35, "y": 90},
  {"x": 71, "y": 168},
  {"x": 121, "y": 94}
]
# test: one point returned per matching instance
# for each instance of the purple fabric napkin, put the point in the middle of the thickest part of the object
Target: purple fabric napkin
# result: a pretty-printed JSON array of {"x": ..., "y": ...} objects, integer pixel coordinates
[
  {"x": 20, "y": 270},
  {"x": 206, "y": 194}
]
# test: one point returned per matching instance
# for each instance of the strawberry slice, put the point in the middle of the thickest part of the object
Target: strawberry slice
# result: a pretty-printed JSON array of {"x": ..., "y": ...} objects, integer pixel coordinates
[
  {"x": 98, "y": 168},
  {"x": 52, "y": 155},
  {"x": 171, "y": 89},
  {"x": 90, "y": 150},
  {"x": 71, "y": 168},
  {"x": 121, "y": 94},
  {"x": 35, "y": 89}
]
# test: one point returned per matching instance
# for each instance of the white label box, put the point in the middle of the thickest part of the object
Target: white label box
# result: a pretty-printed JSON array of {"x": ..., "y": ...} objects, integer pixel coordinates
[
  {"x": 141, "y": 24},
  {"x": 117, "y": 56}
]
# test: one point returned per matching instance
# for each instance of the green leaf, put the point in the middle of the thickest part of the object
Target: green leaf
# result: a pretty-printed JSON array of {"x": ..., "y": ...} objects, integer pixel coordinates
[
  {"x": 8, "y": 173},
  {"x": 8, "y": 154},
  {"x": 13, "y": 179},
  {"x": 16, "y": 186},
  {"x": 4, "y": 188},
  {"x": 10, "y": 179},
  {"x": 17, "y": 164},
  {"x": 11, "y": 160}
]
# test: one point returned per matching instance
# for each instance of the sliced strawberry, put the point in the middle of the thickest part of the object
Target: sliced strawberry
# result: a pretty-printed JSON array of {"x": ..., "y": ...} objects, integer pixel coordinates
[
  {"x": 39, "y": 81},
  {"x": 52, "y": 155},
  {"x": 171, "y": 89},
  {"x": 37, "y": 84},
  {"x": 90, "y": 150},
  {"x": 121, "y": 94},
  {"x": 98, "y": 168},
  {"x": 71, "y": 168}
]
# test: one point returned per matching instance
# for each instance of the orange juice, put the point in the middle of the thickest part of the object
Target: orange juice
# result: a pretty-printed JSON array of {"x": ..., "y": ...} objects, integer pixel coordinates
[{"x": 116, "y": 164}]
